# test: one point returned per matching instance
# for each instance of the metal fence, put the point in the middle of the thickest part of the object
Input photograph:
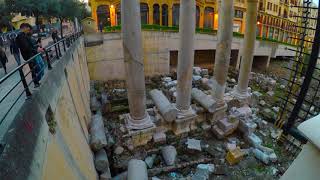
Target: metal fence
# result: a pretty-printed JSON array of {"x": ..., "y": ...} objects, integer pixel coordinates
[
  {"x": 302, "y": 99},
  {"x": 19, "y": 80}
]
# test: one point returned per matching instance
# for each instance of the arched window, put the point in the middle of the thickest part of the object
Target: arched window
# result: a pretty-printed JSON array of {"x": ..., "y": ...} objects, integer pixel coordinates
[
  {"x": 144, "y": 11},
  {"x": 118, "y": 14},
  {"x": 156, "y": 14},
  {"x": 103, "y": 15},
  {"x": 197, "y": 16},
  {"x": 208, "y": 17},
  {"x": 285, "y": 14},
  {"x": 175, "y": 14},
  {"x": 164, "y": 15}
]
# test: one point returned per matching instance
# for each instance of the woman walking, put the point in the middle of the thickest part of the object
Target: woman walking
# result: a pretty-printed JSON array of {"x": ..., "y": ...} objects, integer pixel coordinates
[{"x": 3, "y": 60}]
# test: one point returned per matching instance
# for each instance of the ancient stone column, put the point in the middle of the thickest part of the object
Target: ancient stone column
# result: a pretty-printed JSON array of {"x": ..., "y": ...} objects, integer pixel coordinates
[
  {"x": 223, "y": 51},
  {"x": 241, "y": 90},
  {"x": 186, "y": 55},
  {"x": 133, "y": 59}
]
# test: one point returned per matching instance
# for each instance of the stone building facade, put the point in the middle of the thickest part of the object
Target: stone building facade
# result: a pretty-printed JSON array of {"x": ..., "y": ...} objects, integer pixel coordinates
[{"x": 276, "y": 18}]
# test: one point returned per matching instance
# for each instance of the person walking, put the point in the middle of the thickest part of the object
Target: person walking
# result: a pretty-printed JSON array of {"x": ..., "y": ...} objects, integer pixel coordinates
[
  {"x": 55, "y": 36},
  {"x": 3, "y": 60},
  {"x": 28, "y": 49},
  {"x": 14, "y": 49}
]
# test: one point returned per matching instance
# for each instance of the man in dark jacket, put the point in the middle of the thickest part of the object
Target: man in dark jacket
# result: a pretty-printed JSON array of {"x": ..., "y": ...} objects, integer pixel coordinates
[{"x": 28, "y": 49}]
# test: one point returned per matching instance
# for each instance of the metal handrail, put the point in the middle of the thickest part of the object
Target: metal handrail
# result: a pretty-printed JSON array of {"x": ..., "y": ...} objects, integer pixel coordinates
[{"x": 66, "y": 41}]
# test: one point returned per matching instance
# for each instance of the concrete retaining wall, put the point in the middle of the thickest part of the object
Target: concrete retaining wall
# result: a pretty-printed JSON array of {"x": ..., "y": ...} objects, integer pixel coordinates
[
  {"x": 105, "y": 61},
  {"x": 48, "y": 138}
]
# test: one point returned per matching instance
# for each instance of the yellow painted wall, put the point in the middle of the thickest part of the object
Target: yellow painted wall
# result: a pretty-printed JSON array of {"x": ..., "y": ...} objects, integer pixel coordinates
[{"x": 68, "y": 155}]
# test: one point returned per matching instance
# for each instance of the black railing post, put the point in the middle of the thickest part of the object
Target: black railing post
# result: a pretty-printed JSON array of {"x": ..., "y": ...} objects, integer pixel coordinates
[
  {"x": 57, "y": 53},
  {"x": 64, "y": 45},
  {"x": 24, "y": 82},
  {"x": 59, "y": 49},
  {"x": 48, "y": 59}
]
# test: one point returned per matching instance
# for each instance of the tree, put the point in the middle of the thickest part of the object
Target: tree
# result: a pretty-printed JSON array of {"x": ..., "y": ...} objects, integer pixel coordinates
[
  {"x": 34, "y": 8},
  {"x": 5, "y": 17}
]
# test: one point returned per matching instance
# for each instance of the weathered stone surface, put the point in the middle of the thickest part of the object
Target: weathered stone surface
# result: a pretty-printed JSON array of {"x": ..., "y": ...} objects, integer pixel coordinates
[
  {"x": 241, "y": 91},
  {"x": 105, "y": 176},
  {"x": 186, "y": 54},
  {"x": 101, "y": 161},
  {"x": 247, "y": 126},
  {"x": 261, "y": 156},
  {"x": 167, "y": 110},
  {"x": 203, "y": 172},
  {"x": 134, "y": 67},
  {"x": 228, "y": 126},
  {"x": 169, "y": 154},
  {"x": 234, "y": 156},
  {"x": 118, "y": 150},
  {"x": 159, "y": 137},
  {"x": 97, "y": 134},
  {"x": 150, "y": 160},
  {"x": 218, "y": 132},
  {"x": 95, "y": 105},
  {"x": 194, "y": 144},
  {"x": 137, "y": 170},
  {"x": 203, "y": 99},
  {"x": 253, "y": 139}
]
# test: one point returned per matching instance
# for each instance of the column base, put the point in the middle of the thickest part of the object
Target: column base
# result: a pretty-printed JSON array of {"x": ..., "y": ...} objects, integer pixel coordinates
[
  {"x": 219, "y": 114},
  {"x": 142, "y": 136},
  {"x": 185, "y": 121},
  {"x": 133, "y": 124},
  {"x": 241, "y": 95}
]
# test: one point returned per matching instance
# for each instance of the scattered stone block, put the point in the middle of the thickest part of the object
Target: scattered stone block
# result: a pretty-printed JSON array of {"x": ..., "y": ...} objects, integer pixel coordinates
[
  {"x": 204, "y": 72},
  {"x": 261, "y": 156},
  {"x": 167, "y": 110},
  {"x": 262, "y": 103},
  {"x": 232, "y": 80},
  {"x": 105, "y": 176},
  {"x": 203, "y": 172},
  {"x": 155, "y": 178},
  {"x": 205, "y": 126},
  {"x": 270, "y": 93},
  {"x": 253, "y": 139},
  {"x": 101, "y": 161},
  {"x": 273, "y": 157},
  {"x": 276, "y": 109},
  {"x": 196, "y": 78},
  {"x": 231, "y": 146},
  {"x": 262, "y": 124},
  {"x": 118, "y": 150},
  {"x": 217, "y": 132},
  {"x": 98, "y": 138},
  {"x": 150, "y": 160},
  {"x": 159, "y": 137},
  {"x": 247, "y": 127},
  {"x": 197, "y": 71},
  {"x": 194, "y": 144},
  {"x": 137, "y": 170},
  {"x": 203, "y": 99},
  {"x": 169, "y": 154},
  {"x": 234, "y": 156},
  {"x": 228, "y": 126},
  {"x": 95, "y": 105},
  {"x": 242, "y": 112}
]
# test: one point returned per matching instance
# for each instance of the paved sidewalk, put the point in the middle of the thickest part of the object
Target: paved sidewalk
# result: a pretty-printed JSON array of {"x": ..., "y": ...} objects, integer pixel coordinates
[{"x": 15, "y": 99}]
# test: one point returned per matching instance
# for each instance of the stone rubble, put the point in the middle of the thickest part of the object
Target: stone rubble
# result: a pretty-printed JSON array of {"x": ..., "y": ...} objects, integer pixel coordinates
[
  {"x": 239, "y": 119},
  {"x": 194, "y": 144},
  {"x": 204, "y": 172},
  {"x": 169, "y": 154}
]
